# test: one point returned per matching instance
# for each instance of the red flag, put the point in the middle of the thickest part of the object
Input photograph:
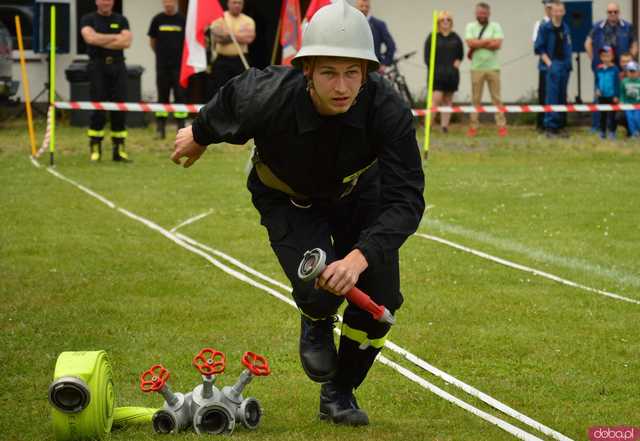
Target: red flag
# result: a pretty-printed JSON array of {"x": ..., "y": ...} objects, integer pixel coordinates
[
  {"x": 194, "y": 55},
  {"x": 291, "y": 32},
  {"x": 313, "y": 8}
]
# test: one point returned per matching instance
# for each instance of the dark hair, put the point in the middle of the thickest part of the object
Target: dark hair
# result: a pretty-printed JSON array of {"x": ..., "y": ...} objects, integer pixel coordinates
[{"x": 483, "y": 5}]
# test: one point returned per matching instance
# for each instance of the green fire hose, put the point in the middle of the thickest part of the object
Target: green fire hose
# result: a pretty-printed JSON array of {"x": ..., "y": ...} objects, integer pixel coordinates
[{"x": 82, "y": 398}]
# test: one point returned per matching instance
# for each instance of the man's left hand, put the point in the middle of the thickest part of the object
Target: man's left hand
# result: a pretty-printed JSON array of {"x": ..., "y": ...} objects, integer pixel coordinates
[{"x": 342, "y": 275}]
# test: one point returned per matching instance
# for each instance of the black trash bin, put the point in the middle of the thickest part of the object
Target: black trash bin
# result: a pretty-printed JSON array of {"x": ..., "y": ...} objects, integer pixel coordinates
[{"x": 78, "y": 79}]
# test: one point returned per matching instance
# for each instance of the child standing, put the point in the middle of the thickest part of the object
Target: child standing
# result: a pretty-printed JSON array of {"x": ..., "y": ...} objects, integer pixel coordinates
[
  {"x": 630, "y": 94},
  {"x": 621, "y": 116},
  {"x": 607, "y": 90}
]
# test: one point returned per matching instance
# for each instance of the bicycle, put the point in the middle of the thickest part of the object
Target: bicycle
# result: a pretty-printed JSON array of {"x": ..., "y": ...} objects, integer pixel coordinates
[{"x": 397, "y": 80}]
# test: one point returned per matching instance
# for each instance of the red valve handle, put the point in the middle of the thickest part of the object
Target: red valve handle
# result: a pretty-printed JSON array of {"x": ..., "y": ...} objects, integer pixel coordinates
[
  {"x": 154, "y": 379},
  {"x": 256, "y": 364},
  {"x": 209, "y": 362}
]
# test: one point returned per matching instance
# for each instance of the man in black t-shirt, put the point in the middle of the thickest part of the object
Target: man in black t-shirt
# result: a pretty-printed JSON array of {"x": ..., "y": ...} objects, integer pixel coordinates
[
  {"x": 166, "y": 37},
  {"x": 106, "y": 34}
]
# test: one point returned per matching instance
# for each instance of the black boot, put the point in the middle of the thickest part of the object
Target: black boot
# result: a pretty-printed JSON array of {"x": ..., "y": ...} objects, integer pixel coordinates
[
  {"x": 95, "y": 150},
  {"x": 317, "y": 348},
  {"x": 119, "y": 153},
  {"x": 161, "y": 124},
  {"x": 339, "y": 406}
]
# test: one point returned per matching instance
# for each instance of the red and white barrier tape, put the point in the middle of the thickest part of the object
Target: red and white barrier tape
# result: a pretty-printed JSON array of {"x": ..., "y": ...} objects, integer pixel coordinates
[
  {"x": 47, "y": 134},
  {"x": 194, "y": 108}
]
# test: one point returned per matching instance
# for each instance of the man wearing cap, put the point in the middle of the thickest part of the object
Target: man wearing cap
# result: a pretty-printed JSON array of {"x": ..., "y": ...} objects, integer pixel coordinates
[
  {"x": 336, "y": 167},
  {"x": 553, "y": 44}
]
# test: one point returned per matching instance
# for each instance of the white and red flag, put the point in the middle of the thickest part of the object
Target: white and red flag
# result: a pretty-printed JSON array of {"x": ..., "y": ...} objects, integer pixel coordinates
[
  {"x": 194, "y": 53},
  {"x": 291, "y": 35},
  {"x": 313, "y": 8}
]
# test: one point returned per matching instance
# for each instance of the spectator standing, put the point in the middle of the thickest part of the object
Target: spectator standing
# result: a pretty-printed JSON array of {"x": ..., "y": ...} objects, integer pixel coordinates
[
  {"x": 449, "y": 55},
  {"x": 554, "y": 47},
  {"x": 484, "y": 39},
  {"x": 166, "y": 37},
  {"x": 614, "y": 32},
  {"x": 381, "y": 35},
  {"x": 630, "y": 94},
  {"x": 625, "y": 59},
  {"x": 542, "y": 68},
  {"x": 228, "y": 62},
  {"x": 607, "y": 90},
  {"x": 106, "y": 34}
]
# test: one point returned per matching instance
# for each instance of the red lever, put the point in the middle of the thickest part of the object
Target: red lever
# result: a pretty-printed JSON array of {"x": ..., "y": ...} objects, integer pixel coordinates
[
  {"x": 363, "y": 301},
  {"x": 209, "y": 362},
  {"x": 256, "y": 364},
  {"x": 154, "y": 379}
]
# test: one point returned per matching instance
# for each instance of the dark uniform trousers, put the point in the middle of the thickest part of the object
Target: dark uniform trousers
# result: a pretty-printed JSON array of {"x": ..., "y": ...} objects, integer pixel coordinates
[
  {"x": 223, "y": 69},
  {"x": 333, "y": 226},
  {"x": 168, "y": 79},
  {"x": 108, "y": 82}
]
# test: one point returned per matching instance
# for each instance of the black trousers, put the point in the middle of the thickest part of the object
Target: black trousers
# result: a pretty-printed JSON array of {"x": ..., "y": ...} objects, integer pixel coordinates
[
  {"x": 223, "y": 69},
  {"x": 608, "y": 120},
  {"x": 108, "y": 82},
  {"x": 333, "y": 226},
  {"x": 167, "y": 80}
]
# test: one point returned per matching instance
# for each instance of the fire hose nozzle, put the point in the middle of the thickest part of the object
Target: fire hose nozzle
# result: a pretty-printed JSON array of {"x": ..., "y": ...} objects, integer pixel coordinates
[{"x": 314, "y": 263}]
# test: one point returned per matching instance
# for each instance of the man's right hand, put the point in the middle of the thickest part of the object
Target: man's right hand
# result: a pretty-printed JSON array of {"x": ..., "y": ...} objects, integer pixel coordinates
[{"x": 185, "y": 146}]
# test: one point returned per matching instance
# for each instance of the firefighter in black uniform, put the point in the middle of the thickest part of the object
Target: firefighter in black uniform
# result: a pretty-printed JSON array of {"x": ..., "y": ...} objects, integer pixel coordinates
[
  {"x": 337, "y": 166},
  {"x": 166, "y": 36},
  {"x": 107, "y": 35}
]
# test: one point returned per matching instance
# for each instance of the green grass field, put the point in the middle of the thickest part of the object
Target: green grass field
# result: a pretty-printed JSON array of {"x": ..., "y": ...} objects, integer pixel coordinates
[{"x": 78, "y": 275}]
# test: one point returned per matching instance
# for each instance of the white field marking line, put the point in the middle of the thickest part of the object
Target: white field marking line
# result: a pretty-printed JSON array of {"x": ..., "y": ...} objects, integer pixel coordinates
[
  {"x": 191, "y": 220},
  {"x": 517, "y": 432},
  {"x": 537, "y": 255},
  {"x": 35, "y": 162},
  {"x": 403, "y": 352},
  {"x": 526, "y": 268}
]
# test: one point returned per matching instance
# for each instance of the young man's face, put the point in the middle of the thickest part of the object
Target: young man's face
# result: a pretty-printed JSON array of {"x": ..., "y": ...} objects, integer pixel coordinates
[
  {"x": 557, "y": 12},
  {"x": 170, "y": 6},
  {"x": 336, "y": 83},
  {"x": 363, "y": 6},
  {"x": 104, "y": 6},
  {"x": 235, "y": 6}
]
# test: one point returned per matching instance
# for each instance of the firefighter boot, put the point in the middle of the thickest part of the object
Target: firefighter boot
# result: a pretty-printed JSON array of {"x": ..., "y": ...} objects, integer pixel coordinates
[
  {"x": 119, "y": 153},
  {"x": 161, "y": 124},
  {"x": 317, "y": 349},
  {"x": 95, "y": 150},
  {"x": 339, "y": 405}
]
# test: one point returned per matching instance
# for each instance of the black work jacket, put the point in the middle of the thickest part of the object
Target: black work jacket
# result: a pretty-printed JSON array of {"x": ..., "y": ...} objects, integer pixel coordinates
[{"x": 321, "y": 156}]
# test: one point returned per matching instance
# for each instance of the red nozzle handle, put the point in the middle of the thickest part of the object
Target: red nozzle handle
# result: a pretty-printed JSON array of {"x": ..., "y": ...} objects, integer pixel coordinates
[
  {"x": 363, "y": 301},
  {"x": 209, "y": 362},
  {"x": 154, "y": 379},
  {"x": 256, "y": 364}
]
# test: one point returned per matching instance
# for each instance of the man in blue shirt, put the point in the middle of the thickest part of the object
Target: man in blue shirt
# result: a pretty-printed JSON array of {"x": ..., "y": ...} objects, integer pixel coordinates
[
  {"x": 614, "y": 32},
  {"x": 381, "y": 35},
  {"x": 553, "y": 44}
]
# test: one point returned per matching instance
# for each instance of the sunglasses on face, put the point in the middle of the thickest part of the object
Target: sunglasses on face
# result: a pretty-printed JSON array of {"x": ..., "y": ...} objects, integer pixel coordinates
[
  {"x": 612, "y": 12},
  {"x": 445, "y": 19}
]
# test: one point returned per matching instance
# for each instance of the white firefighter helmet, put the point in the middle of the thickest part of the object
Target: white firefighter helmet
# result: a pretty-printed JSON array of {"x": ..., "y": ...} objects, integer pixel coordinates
[{"x": 338, "y": 30}]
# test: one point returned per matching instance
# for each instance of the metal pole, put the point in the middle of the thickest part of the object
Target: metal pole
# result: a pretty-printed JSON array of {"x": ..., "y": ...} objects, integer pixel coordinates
[
  {"x": 52, "y": 84},
  {"x": 25, "y": 82},
  {"x": 432, "y": 69}
]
